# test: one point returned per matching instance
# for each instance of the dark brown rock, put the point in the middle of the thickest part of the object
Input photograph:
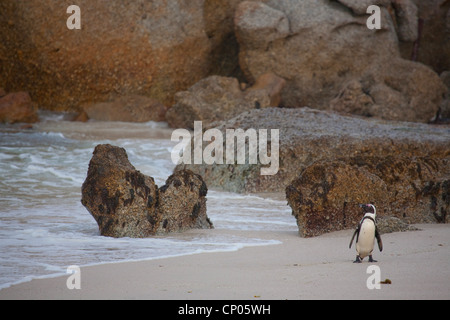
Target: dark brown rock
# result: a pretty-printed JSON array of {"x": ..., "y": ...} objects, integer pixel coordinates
[
  {"x": 352, "y": 99},
  {"x": 445, "y": 106},
  {"x": 126, "y": 203}
]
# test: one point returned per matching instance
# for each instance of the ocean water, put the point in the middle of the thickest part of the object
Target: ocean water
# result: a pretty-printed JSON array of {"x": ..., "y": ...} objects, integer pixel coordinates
[{"x": 44, "y": 229}]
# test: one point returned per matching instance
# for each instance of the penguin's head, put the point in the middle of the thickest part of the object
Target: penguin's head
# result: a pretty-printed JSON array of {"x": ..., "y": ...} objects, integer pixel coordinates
[{"x": 369, "y": 208}]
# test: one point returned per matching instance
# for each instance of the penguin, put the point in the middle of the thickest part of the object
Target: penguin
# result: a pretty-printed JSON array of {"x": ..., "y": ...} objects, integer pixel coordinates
[{"x": 365, "y": 233}]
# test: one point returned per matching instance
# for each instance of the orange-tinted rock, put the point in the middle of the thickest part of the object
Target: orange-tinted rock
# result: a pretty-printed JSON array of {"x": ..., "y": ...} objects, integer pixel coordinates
[
  {"x": 149, "y": 48},
  {"x": 132, "y": 108},
  {"x": 17, "y": 107}
]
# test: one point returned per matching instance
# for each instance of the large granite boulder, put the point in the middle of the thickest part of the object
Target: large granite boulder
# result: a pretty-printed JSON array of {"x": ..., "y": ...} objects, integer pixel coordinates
[
  {"x": 148, "y": 48},
  {"x": 321, "y": 46},
  {"x": 126, "y": 203},
  {"x": 221, "y": 98}
]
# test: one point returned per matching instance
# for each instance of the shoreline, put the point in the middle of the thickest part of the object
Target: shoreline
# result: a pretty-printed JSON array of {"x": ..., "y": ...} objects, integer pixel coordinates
[{"x": 298, "y": 268}]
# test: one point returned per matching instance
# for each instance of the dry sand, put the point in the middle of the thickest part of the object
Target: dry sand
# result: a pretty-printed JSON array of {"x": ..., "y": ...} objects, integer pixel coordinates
[{"x": 417, "y": 263}]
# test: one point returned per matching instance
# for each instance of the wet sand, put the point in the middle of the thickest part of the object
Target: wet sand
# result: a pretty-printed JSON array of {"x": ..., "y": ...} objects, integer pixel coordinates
[{"x": 416, "y": 263}]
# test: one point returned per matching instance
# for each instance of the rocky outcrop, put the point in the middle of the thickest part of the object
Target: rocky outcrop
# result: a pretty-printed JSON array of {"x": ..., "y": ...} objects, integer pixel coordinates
[
  {"x": 182, "y": 203},
  {"x": 148, "y": 48},
  {"x": 329, "y": 163},
  {"x": 126, "y": 203},
  {"x": 17, "y": 107},
  {"x": 156, "y": 49},
  {"x": 340, "y": 188},
  {"x": 221, "y": 98},
  {"x": 308, "y": 136},
  {"x": 320, "y": 47}
]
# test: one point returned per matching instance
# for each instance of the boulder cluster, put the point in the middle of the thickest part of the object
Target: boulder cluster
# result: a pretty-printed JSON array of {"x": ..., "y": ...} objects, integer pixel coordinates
[
  {"x": 331, "y": 163},
  {"x": 141, "y": 57}
]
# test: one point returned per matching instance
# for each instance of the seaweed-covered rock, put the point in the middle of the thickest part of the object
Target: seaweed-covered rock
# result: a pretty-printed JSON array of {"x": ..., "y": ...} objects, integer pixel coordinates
[{"x": 120, "y": 198}]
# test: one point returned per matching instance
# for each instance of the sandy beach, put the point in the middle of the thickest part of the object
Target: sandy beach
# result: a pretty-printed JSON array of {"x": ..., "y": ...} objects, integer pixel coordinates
[{"x": 416, "y": 263}]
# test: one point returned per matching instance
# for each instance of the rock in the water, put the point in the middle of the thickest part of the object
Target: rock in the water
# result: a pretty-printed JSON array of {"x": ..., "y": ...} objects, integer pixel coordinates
[
  {"x": 126, "y": 203},
  {"x": 17, "y": 107},
  {"x": 120, "y": 198},
  {"x": 182, "y": 203}
]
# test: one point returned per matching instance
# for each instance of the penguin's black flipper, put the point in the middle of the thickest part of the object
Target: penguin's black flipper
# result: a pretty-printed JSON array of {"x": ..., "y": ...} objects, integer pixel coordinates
[
  {"x": 353, "y": 238},
  {"x": 380, "y": 243}
]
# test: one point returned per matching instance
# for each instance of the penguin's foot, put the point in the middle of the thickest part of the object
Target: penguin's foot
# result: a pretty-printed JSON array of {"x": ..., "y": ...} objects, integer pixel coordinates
[
  {"x": 371, "y": 259},
  {"x": 358, "y": 260}
]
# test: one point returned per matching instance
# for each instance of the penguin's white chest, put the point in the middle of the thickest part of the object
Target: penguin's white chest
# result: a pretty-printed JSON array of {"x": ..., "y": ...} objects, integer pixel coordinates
[{"x": 366, "y": 239}]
